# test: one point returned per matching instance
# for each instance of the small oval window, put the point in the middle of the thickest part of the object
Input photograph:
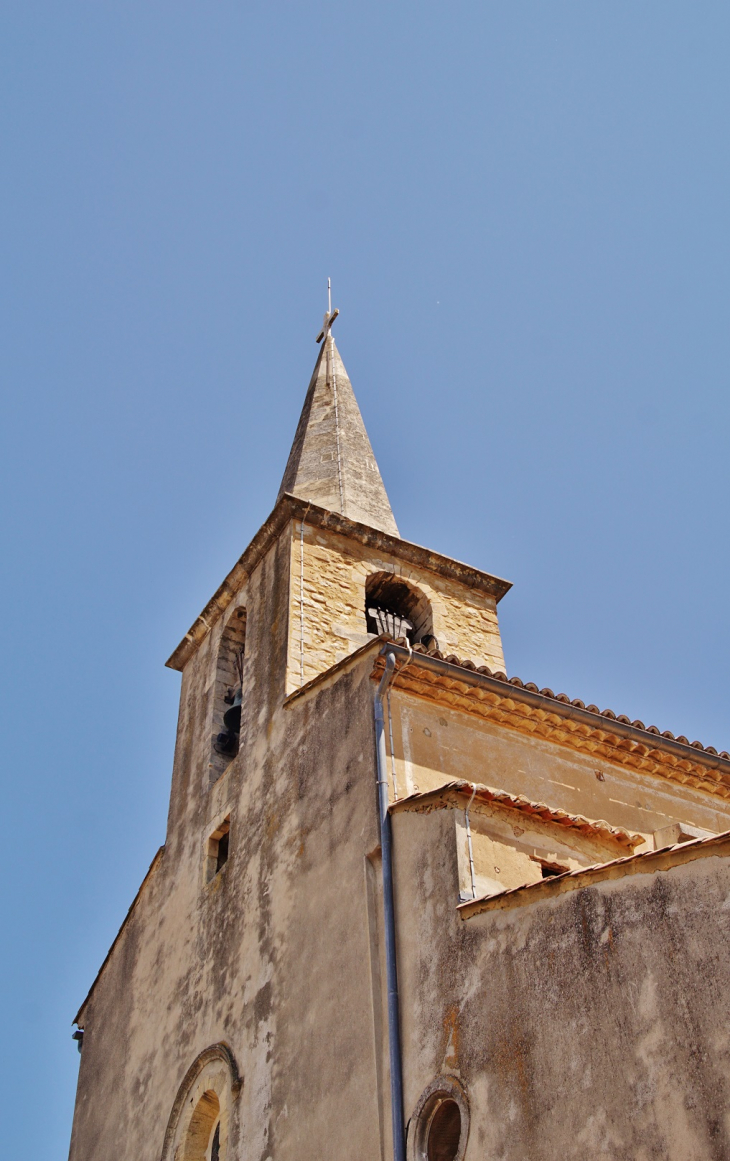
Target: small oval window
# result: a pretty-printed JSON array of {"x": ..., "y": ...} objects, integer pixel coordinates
[{"x": 444, "y": 1132}]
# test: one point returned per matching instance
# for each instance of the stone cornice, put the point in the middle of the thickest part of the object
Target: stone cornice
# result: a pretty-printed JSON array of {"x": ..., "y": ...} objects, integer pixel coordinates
[
  {"x": 291, "y": 508},
  {"x": 494, "y": 699}
]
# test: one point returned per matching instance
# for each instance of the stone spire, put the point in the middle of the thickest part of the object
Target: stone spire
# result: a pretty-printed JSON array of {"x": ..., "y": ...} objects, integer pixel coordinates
[{"x": 331, "y": 461}]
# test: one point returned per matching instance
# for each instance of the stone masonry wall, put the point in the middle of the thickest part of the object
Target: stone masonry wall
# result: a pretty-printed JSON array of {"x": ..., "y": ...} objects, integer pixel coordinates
[
  {"x": 588, "y": 1026},
  {"x": 329, "y": 623},
  {"x": 273, "y": 956}
]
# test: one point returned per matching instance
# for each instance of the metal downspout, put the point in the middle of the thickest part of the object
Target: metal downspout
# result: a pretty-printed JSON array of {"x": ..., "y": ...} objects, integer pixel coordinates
[{"x": 391, "y": 968}]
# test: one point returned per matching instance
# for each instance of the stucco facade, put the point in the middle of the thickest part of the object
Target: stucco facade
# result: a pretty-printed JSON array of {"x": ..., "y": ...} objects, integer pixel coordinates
[{"x": 563, "y": 982}]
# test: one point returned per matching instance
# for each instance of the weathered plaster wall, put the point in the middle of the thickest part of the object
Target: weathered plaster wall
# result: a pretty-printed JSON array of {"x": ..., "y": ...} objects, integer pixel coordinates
[
  {"x": 280, "y": 956},
  {"x": 274, "y": 957},
  {"x": 334, "y": 573},
  {"x": 436, "y": 744},
  {"x": 593, "y": 1025}
]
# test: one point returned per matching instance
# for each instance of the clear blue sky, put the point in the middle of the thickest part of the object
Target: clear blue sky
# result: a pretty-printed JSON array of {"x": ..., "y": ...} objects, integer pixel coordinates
[{"x": 523, "y": 208}]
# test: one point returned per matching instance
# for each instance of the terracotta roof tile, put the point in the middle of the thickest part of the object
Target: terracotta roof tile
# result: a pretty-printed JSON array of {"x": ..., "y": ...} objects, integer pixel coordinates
[
  {"x": 644, "y": 862},
  {"x": 593, "y": 828},
  {"x": 452, "y": 659}
]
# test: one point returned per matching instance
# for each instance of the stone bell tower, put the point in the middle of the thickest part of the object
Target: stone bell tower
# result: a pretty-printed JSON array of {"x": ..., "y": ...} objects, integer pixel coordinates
[
  {"x": 240, "y": 1012},
  {"x": 406, "y": 907}
]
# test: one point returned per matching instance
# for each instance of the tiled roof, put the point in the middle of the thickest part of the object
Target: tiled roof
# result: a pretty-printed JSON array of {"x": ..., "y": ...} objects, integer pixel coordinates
[
  {"x": 592, "y": 828},
  {"x": 647, "y": 862},
  {"x": 451, "y": 659},
  {"x": 601, "y": 735}
]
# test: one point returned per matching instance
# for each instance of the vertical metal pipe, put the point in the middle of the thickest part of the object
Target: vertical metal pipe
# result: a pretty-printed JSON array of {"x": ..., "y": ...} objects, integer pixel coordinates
[
  {"x": 391, "y": 968},
  {"x": 468, "y": 839},
  {"x": 392, "y": 751}
]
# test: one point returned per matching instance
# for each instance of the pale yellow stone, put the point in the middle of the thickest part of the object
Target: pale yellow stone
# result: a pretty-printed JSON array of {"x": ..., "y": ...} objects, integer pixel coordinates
[{"x": 330, "y": 593}]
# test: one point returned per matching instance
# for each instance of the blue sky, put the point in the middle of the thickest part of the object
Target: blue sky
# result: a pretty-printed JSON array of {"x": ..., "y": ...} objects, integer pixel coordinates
[{"x": 523, "y": 210}]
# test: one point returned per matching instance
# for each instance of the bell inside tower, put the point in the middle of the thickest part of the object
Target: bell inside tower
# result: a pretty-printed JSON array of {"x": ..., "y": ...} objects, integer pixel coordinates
[
  {"x": 227, "y": 741},
  {"x": 228, "y": 694},
  {"x": 396, "y": 608}
]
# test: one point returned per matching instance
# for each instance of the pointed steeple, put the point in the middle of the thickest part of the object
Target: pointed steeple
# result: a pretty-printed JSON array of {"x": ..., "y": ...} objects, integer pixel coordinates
[{"x": 331, "y": 461}]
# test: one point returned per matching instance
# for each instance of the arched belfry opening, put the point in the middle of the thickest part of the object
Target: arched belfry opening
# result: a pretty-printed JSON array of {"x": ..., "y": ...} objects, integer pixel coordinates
[
  {"x": 228, "y": 694},
  {"x": 398, "y": 608}
]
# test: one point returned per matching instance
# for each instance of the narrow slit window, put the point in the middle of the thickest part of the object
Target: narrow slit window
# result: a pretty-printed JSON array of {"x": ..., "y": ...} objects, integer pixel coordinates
[
  {"x": 218, "y": 849},
  {"x": 221, "y": 855}
]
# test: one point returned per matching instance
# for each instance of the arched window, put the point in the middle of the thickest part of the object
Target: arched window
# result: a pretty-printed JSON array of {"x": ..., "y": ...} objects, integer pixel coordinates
[
  {"x": 396, "y": 607},
  {"x": 202, "y": 1122},
  {"x": 228, "y": 694},
  {"x": 204, "y": 1130}
]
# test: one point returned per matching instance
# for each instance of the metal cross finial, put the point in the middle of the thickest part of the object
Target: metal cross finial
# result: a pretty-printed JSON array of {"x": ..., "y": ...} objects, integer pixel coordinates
[{"x": 330, "y": 316}]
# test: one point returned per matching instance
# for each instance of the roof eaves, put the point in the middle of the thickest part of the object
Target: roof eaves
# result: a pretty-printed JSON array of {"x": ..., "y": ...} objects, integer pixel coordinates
[
  {"x": 514, "y": 689},
  {"x": 291, "y": 507},
  {"x": 224, "y": 594},
  {"x": 647, "y": 862},
  {"x": 479, "y": 793},
  {"x": 406, "y": 550}
]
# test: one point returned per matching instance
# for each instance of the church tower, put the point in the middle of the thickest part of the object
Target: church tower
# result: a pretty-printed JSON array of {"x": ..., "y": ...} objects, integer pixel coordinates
[{"x": 402, "y": 898}]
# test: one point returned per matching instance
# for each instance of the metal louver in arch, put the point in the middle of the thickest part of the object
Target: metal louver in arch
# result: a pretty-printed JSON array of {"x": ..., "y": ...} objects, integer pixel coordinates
[{"x": 393, "y": 624}]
